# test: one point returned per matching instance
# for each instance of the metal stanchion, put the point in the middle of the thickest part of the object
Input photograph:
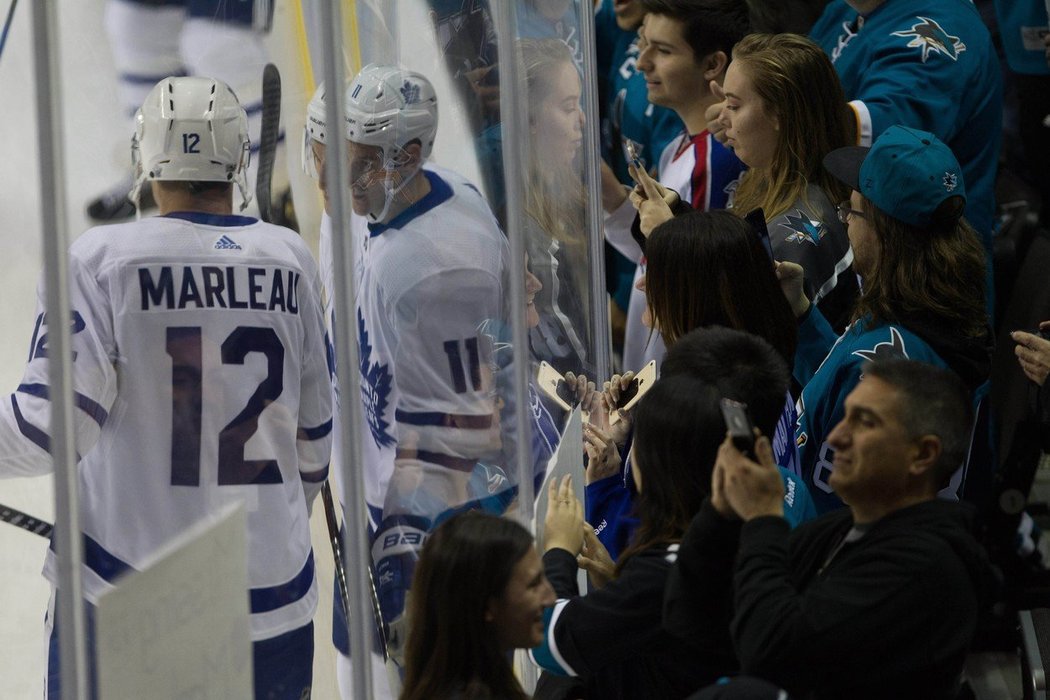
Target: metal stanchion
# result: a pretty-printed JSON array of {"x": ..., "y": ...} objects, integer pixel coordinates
[{"x": 68, "y": 544}]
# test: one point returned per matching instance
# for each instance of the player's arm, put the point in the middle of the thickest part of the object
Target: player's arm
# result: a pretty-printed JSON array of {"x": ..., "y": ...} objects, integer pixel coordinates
[
  {"x": 25, "y": 415},
  {"x": 314, "y": 435}
]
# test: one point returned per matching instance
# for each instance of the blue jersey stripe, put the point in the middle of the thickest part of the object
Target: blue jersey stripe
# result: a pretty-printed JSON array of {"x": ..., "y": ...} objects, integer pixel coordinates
[
  {"x": 34, "y": 434},
  {"x": 88, "y": 406},
  {"x": 273, "y": 597},
  {"x": 446, "y": 420},
  {"x": 315, "y": 477},
  {"x": 316, "y": 433},
  {"x": 151, "y": 80}
]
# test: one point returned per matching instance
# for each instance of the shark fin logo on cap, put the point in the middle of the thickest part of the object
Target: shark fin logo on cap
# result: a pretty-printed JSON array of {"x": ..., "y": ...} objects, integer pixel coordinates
[{"x": 950, "y": 181}]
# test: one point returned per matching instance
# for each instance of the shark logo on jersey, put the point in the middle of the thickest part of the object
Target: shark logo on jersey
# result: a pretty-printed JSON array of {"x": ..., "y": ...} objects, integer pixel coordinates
[
  {"x": 804, "y": 229},
  {"x": 375, "y": 388},
  {"x": 227, "y": 243},
  {"x": 410, "y": 91},
  {"x": 801, "y": 438},
  {"x": 929, "y": 36},
  {"x": 888, "y": 349},
  {"x": 849, "y": 31},
  {"x": 950, "y": 181}
]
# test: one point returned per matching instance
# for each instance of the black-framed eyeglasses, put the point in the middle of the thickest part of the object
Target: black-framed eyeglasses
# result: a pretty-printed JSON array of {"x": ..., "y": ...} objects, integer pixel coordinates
[{"x": 844, "y": 212}]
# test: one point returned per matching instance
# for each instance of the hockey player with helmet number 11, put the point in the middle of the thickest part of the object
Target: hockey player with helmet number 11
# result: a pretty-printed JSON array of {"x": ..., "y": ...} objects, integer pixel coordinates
[
  {"x": 429, "y": 276},
  {"x": 199, "y": 379}
]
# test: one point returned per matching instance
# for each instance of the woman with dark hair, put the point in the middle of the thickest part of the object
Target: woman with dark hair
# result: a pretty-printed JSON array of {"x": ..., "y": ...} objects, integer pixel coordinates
[
  {"x": 704, "y": 269},
  {"x": 612, "y": 638},
  {"x": 711, "y": 269},
  {"x": 479, "y": 592},
  {"x": 922, "y": 267}
]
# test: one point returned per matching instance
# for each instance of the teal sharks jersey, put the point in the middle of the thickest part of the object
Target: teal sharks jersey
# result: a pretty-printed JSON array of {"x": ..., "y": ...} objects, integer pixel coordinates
[
  {"x": 927, "y": 64},
  {"x": 627, "y": 113},
  {"x": 829, "y": 369}
]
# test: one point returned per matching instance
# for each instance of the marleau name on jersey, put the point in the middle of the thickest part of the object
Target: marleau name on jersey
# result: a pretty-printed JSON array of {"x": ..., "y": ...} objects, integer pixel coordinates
[{"x": 210, "y": 286}]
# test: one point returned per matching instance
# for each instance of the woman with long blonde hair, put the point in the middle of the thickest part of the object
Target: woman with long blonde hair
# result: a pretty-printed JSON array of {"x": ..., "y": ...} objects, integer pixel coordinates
[{"x": 783, "y": 112}]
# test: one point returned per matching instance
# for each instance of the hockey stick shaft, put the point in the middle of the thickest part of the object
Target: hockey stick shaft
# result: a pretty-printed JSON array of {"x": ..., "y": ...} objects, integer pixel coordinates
[
  {"x": 268, "y": 135},
  {"x": 25, "y": 521},
  {"x": 340, "y": 570},
  {"x": 7, "y": 25}
]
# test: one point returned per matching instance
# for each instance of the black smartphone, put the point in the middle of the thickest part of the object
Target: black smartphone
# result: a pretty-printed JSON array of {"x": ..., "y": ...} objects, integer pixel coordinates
[
  {"x": 757, "y": 219},
  {"x": 1043, "y": 333},
  {"x": 738, "y": 424},
  {"x": 565, "y": 393}
]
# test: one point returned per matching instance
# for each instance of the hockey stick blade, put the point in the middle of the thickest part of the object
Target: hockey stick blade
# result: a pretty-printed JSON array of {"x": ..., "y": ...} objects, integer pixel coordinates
[
  {"x": 7, "y": 25},
  {"x": 25, "y": 521},
  {"x": 268, "y": 134}
]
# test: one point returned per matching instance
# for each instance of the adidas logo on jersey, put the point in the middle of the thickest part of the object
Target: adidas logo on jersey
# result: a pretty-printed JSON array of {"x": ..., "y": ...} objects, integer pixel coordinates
[{"x": 227, "y": 243}]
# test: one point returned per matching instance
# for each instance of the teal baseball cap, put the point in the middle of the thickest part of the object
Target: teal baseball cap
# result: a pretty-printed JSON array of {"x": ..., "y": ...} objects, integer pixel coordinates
[{"x": 906, "y": 173}]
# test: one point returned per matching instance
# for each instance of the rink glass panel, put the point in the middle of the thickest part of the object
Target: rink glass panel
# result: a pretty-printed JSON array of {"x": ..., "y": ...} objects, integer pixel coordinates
[{"x": 454, "y": 459}]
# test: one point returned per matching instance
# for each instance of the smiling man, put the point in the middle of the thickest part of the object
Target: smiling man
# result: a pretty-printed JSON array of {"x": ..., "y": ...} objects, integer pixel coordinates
[
  {"x": 683, "y": 47},
  {"x": 876, "y": 600}
]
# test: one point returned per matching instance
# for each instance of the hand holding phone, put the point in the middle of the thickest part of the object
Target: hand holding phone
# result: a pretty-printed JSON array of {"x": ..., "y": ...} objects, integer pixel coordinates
[
  {"x": 555, "y": 387},
  {"x": 625, "y": 399},
  {"x": 632, "y": 154}
]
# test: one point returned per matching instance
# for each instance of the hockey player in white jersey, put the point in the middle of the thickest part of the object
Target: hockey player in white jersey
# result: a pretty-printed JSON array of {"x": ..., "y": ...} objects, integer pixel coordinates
[
  {"x": 199, "y": 375},
  {"x": 430, "y": 278},
  {"x": 314, "y": 147},
  {"x": 153, "y": 39}
]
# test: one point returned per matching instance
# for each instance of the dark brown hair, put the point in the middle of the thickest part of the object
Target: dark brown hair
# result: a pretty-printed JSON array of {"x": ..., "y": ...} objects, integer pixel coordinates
[
  {"x": 707, "y": 25},
  {"x": 678, "y": 427},
  {"x": 937, "y": 272},
  {"x": 451, "y": 650},
  {"x": 710, "y": 268}
]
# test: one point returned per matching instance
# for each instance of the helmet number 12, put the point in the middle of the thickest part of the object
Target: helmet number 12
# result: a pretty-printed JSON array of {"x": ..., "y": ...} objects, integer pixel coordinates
[{"x": 190, "y": 143}]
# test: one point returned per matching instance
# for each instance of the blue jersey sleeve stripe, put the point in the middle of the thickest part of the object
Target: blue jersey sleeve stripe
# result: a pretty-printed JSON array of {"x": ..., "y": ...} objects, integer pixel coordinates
[
  {"x": 316, "y": 433},
  {"x": 273, "y": 597},
  {"x": 447, "y": 420},
  {"x": 34, "y": 434},
  {"x": 547, "y": 655},
  {"x": 101, "y": 561},
  {"x": 315, "y": 477},
  {"x": 150, "y": 80},
  {"x": 89, "y": 406}
]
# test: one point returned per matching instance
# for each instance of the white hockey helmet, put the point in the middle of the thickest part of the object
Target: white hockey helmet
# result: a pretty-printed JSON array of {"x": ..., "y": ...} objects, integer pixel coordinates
[
  {"x": 389, "y": 107},
  {"x": 191, "y": 129},
  {"x": 314, "y": 130}
]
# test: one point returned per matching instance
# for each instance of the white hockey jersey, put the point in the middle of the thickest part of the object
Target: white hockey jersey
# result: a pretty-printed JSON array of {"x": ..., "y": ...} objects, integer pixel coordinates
[
  {"x": 200, "y": 378},
  {"x": 431, "y": 279}
]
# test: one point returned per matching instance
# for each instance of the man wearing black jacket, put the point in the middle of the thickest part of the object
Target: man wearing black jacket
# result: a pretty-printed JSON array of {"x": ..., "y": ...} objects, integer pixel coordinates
[{"x": 873, "y": 601}]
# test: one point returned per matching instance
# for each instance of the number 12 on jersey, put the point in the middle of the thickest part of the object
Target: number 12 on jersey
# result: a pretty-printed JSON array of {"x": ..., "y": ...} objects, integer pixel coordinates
[{"x": 187, "y": 392}]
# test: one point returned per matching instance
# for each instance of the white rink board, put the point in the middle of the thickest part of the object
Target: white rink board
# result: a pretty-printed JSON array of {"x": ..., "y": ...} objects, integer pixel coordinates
[{"x": 179, "y": 629}]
